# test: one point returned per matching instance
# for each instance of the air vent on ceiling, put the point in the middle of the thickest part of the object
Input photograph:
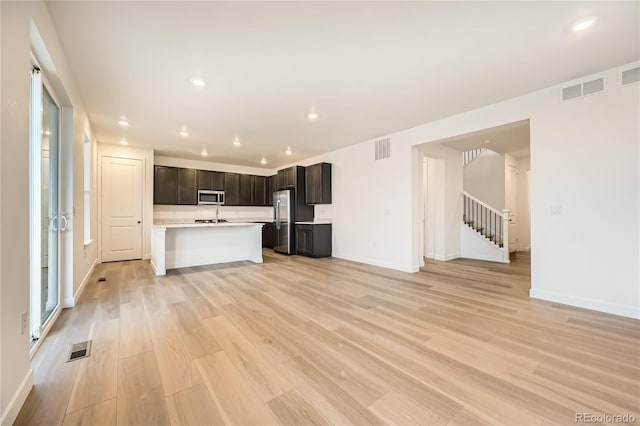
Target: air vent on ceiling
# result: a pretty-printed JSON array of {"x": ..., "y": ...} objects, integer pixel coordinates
[
  {"x": 631, "y": 76},
  {"x": 383, "y": 149},
  {"x": 583, "y": 89}
]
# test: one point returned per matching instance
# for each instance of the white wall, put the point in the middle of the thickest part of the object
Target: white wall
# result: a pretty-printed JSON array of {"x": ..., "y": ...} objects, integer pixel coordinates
[
  {"x": 27, "y": 26},
  {"x": 209, "y": 165},
  {"x": 484, "y": 178},
  {"x": 434, "y": 213},
  {"x": 473, "y": 245},
  {"x": 448, "y": 198},
  {"x": 584, "y": 158},
  {"x": 371, "y": 222}
]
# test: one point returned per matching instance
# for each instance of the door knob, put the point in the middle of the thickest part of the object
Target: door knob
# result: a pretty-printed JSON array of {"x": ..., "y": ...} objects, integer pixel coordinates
[{"x": 139, "y": 222}]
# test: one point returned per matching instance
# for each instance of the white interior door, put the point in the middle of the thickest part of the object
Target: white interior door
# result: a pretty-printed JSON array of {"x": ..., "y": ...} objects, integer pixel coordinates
[
  {"x": 121, "y": 183},
  {"x": 512, "y": 206}
]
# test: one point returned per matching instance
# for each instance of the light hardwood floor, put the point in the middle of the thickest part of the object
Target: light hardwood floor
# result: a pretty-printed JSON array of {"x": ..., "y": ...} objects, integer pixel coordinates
[{"x": 300, "y": 341}]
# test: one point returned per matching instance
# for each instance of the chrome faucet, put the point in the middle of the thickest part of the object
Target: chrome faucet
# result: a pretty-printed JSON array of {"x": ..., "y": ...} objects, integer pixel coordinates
[{"x": 217, "y": 214}]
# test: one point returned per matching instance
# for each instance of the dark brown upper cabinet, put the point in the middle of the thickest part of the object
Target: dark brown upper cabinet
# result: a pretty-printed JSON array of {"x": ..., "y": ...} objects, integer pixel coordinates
[
  {"x": 210, "y": 180},
  {"x": 165, "y": 185},
  {"x": 286, "y": 178},
  {"x": 232, "y": 189},
  {"x": 187, "y": 186},
  {"x": 246, "y": 190},
  {"x": 271, "y": 187},
  {"x": 318, "y": 184},
  {"x": 259, "y": 191},
  {"x": 175, "y": 185}
]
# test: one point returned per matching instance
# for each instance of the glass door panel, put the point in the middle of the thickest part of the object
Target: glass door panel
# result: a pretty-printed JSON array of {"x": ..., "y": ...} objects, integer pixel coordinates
[{"x": 50, "y": 218}]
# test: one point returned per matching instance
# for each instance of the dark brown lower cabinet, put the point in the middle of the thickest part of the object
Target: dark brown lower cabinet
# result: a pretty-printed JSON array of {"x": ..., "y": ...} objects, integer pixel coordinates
[
  {"x": 313, "y": 240},
  {"x": 267, "y": 235}
]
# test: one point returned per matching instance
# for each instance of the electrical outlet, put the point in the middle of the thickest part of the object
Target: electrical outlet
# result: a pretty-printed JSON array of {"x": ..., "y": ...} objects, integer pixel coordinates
[{"x": 25, "y": 319}]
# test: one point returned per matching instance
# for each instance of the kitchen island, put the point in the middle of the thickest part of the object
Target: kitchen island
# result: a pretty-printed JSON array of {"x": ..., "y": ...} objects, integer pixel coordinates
[{"x": 180, "y": 245}]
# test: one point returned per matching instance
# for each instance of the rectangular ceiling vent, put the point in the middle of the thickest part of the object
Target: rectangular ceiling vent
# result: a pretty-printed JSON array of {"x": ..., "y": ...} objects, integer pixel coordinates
[
  {"x": 631, "y": 76},
  {"x": 583, "y": 89},
  {"x": 383, "y": 149}
]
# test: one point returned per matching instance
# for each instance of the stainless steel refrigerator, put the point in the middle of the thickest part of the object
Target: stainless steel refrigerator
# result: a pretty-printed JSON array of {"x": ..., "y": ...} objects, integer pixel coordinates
[{"x": 283, "y": 234}]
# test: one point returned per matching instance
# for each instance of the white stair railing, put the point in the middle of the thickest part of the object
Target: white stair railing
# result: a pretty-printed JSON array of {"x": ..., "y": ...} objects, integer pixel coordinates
[{"x": 491, "y": 223}]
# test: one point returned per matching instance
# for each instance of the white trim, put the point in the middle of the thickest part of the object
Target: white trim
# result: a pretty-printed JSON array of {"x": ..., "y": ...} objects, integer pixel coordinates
[
  {"x": 70, "y": 302},
  {"x": 498, "y": 212},
  {"x": 388, "y": 265},
  {"x": 18, "y": 399},
  {"x": 581, "y": 302},
  {"x": 447, "y": 257},
  {"x": 46, "y": 327},
  {"x": 487, "y": 259},
  {"x": 87, "y": 243}
]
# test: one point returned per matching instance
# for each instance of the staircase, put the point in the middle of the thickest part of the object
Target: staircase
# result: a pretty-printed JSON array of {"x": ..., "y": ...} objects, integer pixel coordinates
[
  {"x": 487, "y": 222},
  {"x": 484, "y": 229},
  {"x": 470, "y": 155}
]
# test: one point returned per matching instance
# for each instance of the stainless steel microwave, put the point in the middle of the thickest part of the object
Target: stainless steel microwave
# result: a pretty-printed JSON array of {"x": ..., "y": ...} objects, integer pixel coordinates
[{"x": 211, "y": 197}]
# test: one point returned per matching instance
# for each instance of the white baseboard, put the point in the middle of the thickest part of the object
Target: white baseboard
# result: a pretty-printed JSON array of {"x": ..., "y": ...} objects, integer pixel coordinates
[
  {"x": 581, "y": 302},
  {"x": 488, "y": 259},
  {"x": 446, "y": 257},
  {"x": 374, "y": 262},
  {"x": 9, "y": 415},
  {"x": 70, "y": 302}
]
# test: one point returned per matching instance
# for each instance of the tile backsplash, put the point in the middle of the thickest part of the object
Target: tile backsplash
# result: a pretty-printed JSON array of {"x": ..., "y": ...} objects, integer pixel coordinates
[{"x": 161, "y": 212}]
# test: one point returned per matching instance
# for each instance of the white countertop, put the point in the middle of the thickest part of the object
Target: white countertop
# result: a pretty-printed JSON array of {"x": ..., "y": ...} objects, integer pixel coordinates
[
  {"x": 316, "y": 222},
  {"x": 203, "y": 225}
]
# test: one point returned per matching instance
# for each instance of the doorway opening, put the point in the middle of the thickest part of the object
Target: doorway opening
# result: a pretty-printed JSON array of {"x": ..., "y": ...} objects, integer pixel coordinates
[{"x": 476, "y": 196}]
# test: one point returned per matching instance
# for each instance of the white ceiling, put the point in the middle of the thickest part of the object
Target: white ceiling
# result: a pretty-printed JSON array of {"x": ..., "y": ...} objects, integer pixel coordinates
[
  {"x": 368, "y": 68},
  {"x": 512, "y": 138}
]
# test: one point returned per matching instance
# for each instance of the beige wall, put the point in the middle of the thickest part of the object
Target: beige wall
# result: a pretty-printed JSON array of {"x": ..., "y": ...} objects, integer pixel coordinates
[{"x": 26, "y": 27}]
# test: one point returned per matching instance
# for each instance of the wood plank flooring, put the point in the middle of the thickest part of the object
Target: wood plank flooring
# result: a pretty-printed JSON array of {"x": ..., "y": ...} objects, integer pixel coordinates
[{"x": 298, "y": 341}]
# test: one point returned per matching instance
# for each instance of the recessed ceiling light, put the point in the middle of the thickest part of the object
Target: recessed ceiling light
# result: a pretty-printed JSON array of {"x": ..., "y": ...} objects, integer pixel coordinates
[
  {"x": 123, "y": 123},
  {"x": 312, "y": 116},
  {"x": 184, "y": 133},
  {"x": 487, "y": 141},
  {"x": 263, "y": 161},
  {"x": 123, "y": 141},
  {"x": 288, "y": 151},
  {"x": 584, "y": 24},
  {"x": 236, "y": 142},
  {"x": 198, "y": 82},
  {"x": 204, "y": 152}
]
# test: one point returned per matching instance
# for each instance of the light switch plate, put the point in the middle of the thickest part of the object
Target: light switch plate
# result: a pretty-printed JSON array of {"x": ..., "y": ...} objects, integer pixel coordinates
[{"x": 556, "y": 211}]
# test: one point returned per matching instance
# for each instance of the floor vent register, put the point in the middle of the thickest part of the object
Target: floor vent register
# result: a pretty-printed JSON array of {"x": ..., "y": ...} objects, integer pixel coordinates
[{"x": 80, "y": 350}]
